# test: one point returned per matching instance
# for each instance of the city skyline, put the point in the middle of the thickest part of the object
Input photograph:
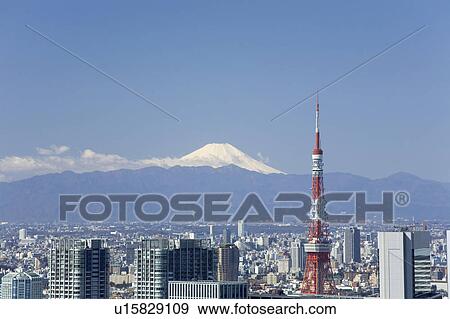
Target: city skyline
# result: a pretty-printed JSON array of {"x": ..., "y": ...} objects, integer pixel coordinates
[{"x": 188, "y": 261}]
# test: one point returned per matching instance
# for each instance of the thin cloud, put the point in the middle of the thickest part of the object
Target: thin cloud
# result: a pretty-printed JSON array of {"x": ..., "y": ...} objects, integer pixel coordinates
[
  {"x": 53, "y": 150},
  {"x": 263, "y": 158}
]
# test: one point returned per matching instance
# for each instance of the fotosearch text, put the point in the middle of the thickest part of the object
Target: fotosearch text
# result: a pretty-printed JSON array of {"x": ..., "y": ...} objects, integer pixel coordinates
[{"x": 217, "y": 207}]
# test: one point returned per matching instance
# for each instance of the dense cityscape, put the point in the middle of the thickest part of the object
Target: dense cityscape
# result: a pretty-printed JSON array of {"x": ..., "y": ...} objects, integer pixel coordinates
[{"x": 269, "y": 261}]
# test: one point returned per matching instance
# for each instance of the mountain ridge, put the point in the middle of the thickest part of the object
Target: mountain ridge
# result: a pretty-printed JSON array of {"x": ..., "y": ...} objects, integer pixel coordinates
[{"x": 36, "y": 199}]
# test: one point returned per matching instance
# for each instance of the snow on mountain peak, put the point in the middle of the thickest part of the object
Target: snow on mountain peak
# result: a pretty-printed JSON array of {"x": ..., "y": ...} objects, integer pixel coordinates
[{"x": 218, "y": 155}]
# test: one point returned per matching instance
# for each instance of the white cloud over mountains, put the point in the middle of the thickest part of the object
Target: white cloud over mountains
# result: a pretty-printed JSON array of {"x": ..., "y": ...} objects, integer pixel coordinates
[{"x": 56, "y": 159}]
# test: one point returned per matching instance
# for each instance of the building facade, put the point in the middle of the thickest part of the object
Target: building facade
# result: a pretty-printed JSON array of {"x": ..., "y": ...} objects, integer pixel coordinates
[
  {"x": 298, "y": 256},
  {"x": 284, "y": 265},
  {"x": 240, "y": 228},
  {"x": 227, "y": 263},
  {"x": 21, "y": 285},
  {"x": 22, "y": 234},
  {"x": 208, "y": 290},
  {"x": 352, "y": 245},
  {"x": 337, "y": 252},
  {"x": 405, "y": 264},
  {"x": 96, "y": 272},
  {"x": 226, "y": 235},
  {"x": 159, "y": 261},
  {"x": 79, "y": 269},
  {"x": 191, "y": 259},
  {"x": 151, "y": 271}
]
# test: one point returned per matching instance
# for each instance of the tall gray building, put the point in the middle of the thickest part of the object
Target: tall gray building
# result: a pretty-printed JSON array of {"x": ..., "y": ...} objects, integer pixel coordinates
[
  {"x": 226, "y": 235},
  {"x": 298, "y": 255},
  {"x": 405, "y": 264},
  {"x": 352, "y": 245},
  {"x": 21, "y": 285},
  {"x": 79, "y": 269},
  {"x": 159, "y": 261},
  {"x": 151, "y": 269},
  {"x": 130, "y": 250}
]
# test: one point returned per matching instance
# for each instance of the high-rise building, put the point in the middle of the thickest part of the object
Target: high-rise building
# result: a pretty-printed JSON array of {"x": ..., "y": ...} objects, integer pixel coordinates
[
  {"x": 129, "y": 253},
  {"x": 226, "y": 236},
  {"x": 211, "y": 233},
  {"x": 21, "y": 285},
  {"x": 96, "y": 270},
  {"x": 318, "y": 277},
  {"x": 151, "y": 269},
  {"x": 191, "y": 259},
  {"x": 352, "y": 245},
  {"x": 337, "y": 252},
  {"x": 22, "y": 234},
  {"x": 263, "y": 241},
  {"x": 240, "y": 227},
  {"x": 159, "y": 261},
  {"x": 284, "y": 265},
  {"x": 227, "y": 263},
  {"x": 79, "y": 269},
  {"x": 298, "y": 256},
  {"x": 208, "y": 290},
  {"x": 405, "y": 264}
]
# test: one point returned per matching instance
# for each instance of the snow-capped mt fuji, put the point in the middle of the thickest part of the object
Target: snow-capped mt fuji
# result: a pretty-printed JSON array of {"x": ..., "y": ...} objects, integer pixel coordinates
[{"x": 218, "y": 155}]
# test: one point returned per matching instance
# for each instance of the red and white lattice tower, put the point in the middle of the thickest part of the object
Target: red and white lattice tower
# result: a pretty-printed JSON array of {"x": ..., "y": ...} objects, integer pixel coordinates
[{"x": 318, "y": 277}]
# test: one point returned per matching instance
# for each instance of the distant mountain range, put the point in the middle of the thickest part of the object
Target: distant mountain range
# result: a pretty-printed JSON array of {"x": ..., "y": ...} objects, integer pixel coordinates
[
  {"x": 36, "y": 199},
  {"x": 212, "y": 168}
]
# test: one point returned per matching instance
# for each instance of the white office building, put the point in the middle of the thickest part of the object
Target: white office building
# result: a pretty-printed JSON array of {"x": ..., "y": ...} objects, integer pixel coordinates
[
  {"x": 283, "y": 265},
  {"x": 240, "y": 228},
  {"x": 22, "y": 234},
  {"x": 405, "y": 264},
  {"x": 337, "y": 252},
  {"x": 21, "y": 285}
]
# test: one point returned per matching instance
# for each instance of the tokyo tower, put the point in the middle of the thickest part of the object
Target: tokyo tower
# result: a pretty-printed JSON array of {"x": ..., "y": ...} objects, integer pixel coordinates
[{"x": 318, "y": 277}]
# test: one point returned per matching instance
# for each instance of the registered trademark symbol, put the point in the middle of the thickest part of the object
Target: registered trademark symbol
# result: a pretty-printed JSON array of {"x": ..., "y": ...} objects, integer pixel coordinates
[{"x": 402, "y": 198}]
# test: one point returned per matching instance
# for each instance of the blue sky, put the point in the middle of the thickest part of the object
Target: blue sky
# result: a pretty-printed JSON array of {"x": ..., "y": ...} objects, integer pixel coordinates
[{"x": 225, "y": 68}]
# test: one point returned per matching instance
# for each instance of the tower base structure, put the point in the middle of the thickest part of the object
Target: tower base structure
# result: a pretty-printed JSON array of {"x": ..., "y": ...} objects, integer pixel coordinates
[{"x": 318, "y": 277}]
